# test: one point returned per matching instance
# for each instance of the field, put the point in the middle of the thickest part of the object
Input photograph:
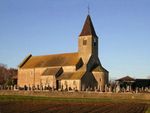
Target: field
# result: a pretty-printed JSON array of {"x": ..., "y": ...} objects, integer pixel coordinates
[{"x": 36, "y": 104}]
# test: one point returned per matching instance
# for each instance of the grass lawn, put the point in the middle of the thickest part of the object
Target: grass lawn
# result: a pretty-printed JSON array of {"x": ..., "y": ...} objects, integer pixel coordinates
[
  {"x": 148, "y": 110},
  {"x": 62, "y": 99}
]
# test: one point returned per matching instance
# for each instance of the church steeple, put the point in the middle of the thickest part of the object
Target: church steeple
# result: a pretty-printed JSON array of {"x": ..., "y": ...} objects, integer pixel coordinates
[
  {"x": 88, "y": 41},
  {"x": 88, "y": 28}
]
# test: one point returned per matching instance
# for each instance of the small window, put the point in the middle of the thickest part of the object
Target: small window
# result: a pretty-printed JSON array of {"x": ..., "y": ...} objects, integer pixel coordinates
[
  {"x": 84, "y": 42},
  {"x": 94, "y": 42},
  {"x": 100, "y": 79}
]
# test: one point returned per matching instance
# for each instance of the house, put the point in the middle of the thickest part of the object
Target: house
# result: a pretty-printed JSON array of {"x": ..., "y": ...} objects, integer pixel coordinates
[
  {"x": 126, "y": 83},
  {"x": 130, "y": 83},
  {"x": 68, "y": 71}
]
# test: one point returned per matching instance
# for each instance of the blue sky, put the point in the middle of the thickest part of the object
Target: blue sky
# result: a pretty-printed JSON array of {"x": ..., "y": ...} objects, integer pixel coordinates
[{"x": 42, "y": 27}]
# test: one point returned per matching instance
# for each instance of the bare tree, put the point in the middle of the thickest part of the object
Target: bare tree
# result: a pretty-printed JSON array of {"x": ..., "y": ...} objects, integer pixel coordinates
[
  {"x": 6, "y": 74},
  {"x": 3, "y": 73}
]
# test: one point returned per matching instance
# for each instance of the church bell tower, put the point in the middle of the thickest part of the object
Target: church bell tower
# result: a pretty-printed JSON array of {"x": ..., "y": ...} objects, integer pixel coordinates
[{"x": 88, "y": 41}]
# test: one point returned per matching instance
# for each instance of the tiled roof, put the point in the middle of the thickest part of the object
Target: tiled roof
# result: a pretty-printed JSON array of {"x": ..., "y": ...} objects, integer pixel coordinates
[
  {"x": 51, "y": 71},
  {"x": 99, "y": 69},
  {"x": 71, "y": 75},
  {"x": 126, "y": 78},
  {"x": 25, "y": 60},
  {"x": 88, "y": 28},
  {"x": 67, "y": 59}
]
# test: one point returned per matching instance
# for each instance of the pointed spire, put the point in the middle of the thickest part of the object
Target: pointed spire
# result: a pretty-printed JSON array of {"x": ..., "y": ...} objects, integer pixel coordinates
[{"x": 88, "y": 28}]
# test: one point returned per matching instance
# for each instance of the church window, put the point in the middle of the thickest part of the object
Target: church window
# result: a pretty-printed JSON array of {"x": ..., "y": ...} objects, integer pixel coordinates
[
  {"x": 100, "y": 79},
  {"x": 84, "y": 41},
  {"x": 94, "y": 42}
]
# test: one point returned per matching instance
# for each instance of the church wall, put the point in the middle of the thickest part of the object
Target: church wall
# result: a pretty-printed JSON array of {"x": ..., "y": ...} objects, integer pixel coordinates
[
  {"x": 87, "y": 46},
  {"x": 25, "y": 77},
  {"x": 88, "y": 82},
  {"x": 88, "y": 55},
  {"x": 73, "y": 84},
  {"x": 29, "y": 77},
  {"x": 93, "y": 62},
  {"x": 95, "y": 46},
  {"x": 85, "y": 51},
  {"x": 69, "y": 68},
  {"x": 102, "y": 79},
  {"x": 38, "y": 73},
  {"x": 48, "y": 80}
]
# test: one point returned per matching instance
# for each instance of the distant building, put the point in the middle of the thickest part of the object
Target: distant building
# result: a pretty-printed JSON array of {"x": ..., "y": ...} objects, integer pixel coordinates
[
  {"x": 72, "y": 71},
  {"x": 126, "y": 83},
  {"x": 142, "y": 83},
  {"x": 132, "y": 84}
]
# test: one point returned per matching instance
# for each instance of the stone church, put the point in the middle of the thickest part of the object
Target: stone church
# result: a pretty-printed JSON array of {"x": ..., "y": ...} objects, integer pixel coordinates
[{"x": 80, "y": 71}]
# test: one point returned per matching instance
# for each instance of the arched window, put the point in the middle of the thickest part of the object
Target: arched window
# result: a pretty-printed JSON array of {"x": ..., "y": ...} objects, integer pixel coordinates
[
  {"x": 84, "y": 41},
  {"x": 94, "y": 42},
  {"x": 100, "y": 79}
]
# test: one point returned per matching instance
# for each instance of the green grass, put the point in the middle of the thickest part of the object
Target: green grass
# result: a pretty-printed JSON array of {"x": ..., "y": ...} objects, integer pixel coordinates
[
  {"x": 63, "y": 99},
  {"x": 148, "y": 110},
  {"x": 60, "y": 99}
]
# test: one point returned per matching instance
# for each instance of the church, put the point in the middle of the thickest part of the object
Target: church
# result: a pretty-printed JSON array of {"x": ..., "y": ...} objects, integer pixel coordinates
[{"x": 80, "y": 70}]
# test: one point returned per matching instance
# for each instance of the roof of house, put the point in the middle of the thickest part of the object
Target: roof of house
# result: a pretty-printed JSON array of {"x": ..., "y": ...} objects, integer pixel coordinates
[
  {"x": 142, "y": 79},
  {"x": 71, "y": 75},
  {"x": 88, "y": 28},
  {"x": 25, "y": 60},
  {"x": 99, "y": 69},
  {"x": 66, "y": 59},
  {"x": 126, "y": 78},
  {"x": 51, "y": 71}
]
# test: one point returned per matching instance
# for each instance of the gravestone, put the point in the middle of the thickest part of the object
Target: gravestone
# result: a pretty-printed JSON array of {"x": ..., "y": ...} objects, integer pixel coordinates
[{"x": 118, "y": 89}]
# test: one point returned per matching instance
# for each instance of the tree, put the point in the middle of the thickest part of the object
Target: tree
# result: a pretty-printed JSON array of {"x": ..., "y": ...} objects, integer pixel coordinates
[
  {"x": 6, "y": 75},
  {"x": 3, "y": 73}
]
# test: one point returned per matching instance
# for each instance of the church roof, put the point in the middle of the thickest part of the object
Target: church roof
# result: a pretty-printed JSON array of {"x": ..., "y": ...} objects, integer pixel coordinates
[
  {"x": 71, "y": 75},
  {"x": 51, "y": 71},
  {"x": 88, "y": 28},
  {"x": 126, "y": 78},
  {"x": 66, "y": 59},
  {"x": 99, "y": 69}
]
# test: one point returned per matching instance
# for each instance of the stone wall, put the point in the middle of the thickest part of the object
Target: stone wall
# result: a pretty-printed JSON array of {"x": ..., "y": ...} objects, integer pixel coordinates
[
  {"x": 48, "y": 80},
  {"x": 29, "y": 77},
  {"x": 69, "y": 68},
  {"x": 88, "y": 82},
  {"x": 85, "y": 51},
  {"x": 102, "y": 79}
]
